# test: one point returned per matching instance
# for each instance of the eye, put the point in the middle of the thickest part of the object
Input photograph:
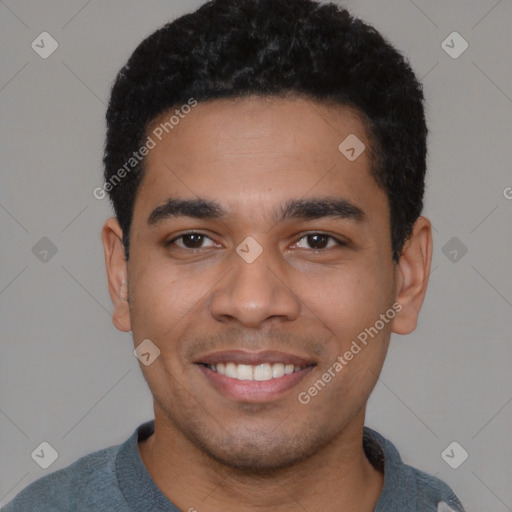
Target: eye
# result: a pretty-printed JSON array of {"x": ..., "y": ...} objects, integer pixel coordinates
[
  {"x": 320, "y": 241},
  {"x": 315, "y": 241},
  {"x": 190, "y": 241}
]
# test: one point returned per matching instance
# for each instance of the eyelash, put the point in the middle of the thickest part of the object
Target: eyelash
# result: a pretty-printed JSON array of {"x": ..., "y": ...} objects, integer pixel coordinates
[{"x": 340, "y": 243}]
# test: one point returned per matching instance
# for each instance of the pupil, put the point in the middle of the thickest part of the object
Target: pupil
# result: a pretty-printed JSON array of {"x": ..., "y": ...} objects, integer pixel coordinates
[
  {"x": 195, "y": 240},
  {"x": 194, "y": 244},
  {"x": 322, "y": 237}
]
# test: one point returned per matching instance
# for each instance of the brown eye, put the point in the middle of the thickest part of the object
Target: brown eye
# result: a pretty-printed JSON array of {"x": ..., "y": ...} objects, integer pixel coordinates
[
  {"x": 319, "y": 241},
  {"x": 190, "y": 241}
]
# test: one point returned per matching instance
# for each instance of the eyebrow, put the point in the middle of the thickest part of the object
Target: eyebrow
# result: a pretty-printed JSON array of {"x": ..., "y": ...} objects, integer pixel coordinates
[{"x": 306, "y": 209}]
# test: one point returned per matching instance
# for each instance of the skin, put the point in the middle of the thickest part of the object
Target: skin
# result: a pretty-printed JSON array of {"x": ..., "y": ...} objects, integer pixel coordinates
[{"x": 210, "y": 452}]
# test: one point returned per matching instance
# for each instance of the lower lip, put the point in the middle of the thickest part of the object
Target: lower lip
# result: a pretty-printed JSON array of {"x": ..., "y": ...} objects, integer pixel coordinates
[{"x": 254, "y": 390}]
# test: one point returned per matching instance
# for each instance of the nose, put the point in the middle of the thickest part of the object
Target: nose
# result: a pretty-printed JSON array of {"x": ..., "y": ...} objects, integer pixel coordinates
[{"x": 254, "y": 293}]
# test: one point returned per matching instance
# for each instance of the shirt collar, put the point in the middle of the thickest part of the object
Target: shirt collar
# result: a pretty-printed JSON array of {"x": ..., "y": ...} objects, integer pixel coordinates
[
  {"x": 140, "y": 490},
  {"x": 398, "y": 491}
]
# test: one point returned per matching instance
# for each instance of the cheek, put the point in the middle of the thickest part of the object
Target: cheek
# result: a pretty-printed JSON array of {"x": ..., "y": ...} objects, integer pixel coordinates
[
  {"x": 348, "y": 300},
  {"x": 350, "y": 305},
  {"x": 161, "y": 300}
]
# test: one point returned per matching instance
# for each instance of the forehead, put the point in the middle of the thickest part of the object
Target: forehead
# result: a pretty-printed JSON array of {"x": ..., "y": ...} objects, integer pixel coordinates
[
  {"x": 259, "y": 149},
  {"x": 289, "y": 126}
]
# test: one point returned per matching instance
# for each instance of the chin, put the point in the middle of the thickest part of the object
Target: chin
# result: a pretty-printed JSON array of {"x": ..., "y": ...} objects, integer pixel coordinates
[{"x": 256, "y": 453}]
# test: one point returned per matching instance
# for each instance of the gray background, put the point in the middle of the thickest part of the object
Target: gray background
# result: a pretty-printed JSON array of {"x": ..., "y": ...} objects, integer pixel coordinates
[{"x": 68, "y": 377}]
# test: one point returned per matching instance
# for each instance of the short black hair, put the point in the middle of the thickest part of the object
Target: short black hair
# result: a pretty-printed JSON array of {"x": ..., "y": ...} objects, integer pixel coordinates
[{"x": 237, "y": 48}]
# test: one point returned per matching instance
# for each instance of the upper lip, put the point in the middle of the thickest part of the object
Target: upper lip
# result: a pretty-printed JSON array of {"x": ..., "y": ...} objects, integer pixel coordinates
[{"x": 253, "y": 358}]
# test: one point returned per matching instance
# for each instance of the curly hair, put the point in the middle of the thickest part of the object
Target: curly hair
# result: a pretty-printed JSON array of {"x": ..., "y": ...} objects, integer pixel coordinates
[{"x": 236, "y": 48}]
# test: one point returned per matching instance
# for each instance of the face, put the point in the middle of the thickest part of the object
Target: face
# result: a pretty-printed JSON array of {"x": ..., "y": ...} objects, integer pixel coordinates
[{"x": 259, "y": 254}]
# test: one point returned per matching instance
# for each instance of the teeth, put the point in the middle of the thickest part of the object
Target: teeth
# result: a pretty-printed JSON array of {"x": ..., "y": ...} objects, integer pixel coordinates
[
  {"x": 277, "y": 370},
  {"x": 231, "y": 371},
  {"x": 261, "y": 372},
  {"x": 245, "y": 372}
]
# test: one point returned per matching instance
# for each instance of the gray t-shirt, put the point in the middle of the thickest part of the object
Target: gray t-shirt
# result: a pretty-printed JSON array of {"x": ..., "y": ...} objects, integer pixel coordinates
[{"x": 115, "y": 480}]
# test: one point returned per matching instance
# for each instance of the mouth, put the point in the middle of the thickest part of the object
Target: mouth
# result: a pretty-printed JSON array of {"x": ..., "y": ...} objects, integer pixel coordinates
[
  {"x": 261, "y": 372},
  {"x": 254, "y": 376}
]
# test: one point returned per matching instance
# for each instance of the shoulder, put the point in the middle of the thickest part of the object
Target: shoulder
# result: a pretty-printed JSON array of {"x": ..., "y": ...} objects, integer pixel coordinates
[
  {"x": 404, "y": 485},
  {"x": 431, "y": 490},
  {"x": 79, "y": 484}
]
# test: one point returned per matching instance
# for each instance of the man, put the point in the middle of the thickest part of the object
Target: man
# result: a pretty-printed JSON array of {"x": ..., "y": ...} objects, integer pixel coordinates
[{"x": 266, "y": 164}]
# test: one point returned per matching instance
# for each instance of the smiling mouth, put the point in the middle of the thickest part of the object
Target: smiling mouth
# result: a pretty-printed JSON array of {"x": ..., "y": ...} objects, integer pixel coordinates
[
  {"x": 254, "y": 377},
  {"x": 260, "y": 372}
]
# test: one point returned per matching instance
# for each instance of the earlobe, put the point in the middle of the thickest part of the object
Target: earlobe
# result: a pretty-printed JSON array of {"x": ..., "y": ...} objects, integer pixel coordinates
[
  {"x": 412, "y": 274},
  {"x": 117, "y": 273}
]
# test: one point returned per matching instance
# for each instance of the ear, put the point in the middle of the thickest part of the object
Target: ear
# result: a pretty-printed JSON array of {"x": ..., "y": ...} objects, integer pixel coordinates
[
  {"x": 412, "y": 274},
  {"x": 117, "y": 273}
]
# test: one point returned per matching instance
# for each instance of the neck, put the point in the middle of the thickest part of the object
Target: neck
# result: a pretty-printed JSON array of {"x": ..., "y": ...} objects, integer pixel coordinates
[{"x": 338, "y": 477}]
